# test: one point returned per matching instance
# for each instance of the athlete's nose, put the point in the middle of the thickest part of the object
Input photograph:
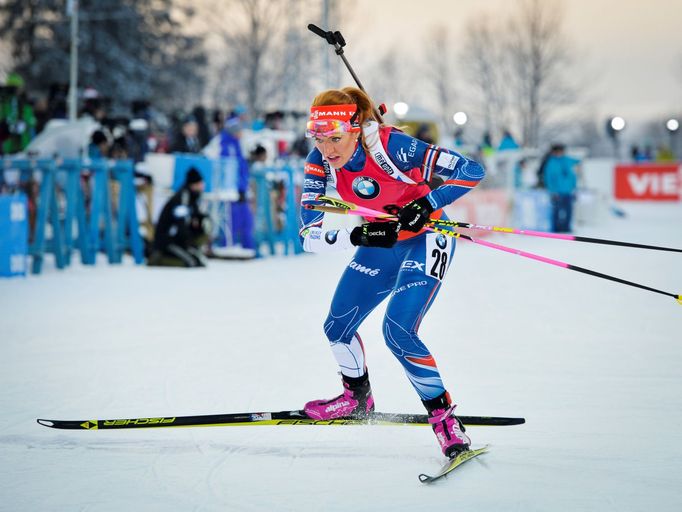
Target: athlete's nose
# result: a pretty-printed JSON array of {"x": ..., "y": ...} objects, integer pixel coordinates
[{"x": 327, "y": 149}]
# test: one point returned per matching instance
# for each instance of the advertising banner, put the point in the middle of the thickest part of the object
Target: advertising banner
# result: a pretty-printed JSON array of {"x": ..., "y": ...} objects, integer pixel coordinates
[{"x": 648, "y": 182}]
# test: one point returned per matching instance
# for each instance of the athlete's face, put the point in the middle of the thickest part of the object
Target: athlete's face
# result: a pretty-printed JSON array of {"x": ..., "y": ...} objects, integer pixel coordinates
[{"x": 337, "y": 148}]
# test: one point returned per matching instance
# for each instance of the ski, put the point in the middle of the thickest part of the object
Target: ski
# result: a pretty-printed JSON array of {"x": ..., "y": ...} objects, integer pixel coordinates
[
  {"x": 452, "y": 464},
  {"x": 264, "y": 418}
]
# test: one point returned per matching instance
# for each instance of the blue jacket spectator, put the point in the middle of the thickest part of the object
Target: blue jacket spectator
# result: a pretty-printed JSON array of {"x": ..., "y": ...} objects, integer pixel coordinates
[
  {"x": 507, "y": 142},
  {"x": 561, "y": 182},
  {"x": 560, "y": 175}
]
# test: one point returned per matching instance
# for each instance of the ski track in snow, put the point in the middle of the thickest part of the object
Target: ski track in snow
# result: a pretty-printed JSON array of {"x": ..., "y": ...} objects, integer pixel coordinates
[{"x": 594, "y": 366}]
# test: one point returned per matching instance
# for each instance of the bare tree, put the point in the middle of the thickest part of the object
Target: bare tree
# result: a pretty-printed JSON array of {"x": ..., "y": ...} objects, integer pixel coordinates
[
  {"x": 378, "y": 86},
  {"x": 539, "y": 58},
  {"x": 440, "y": 72},
  {"x": 484, "y": 61},
  {"x": 260, "y": 58}
]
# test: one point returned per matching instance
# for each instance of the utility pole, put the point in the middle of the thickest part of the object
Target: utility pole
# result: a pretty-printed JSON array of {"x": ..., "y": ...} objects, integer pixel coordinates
[{"x": 72, "y": 10}]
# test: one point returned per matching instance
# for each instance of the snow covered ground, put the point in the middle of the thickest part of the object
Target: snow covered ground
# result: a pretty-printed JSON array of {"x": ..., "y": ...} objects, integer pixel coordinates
[{"x": 594, "y": 366}]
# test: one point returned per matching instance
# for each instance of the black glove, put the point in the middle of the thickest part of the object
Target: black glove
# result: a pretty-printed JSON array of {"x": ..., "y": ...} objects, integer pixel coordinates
[
  {"x": 375, "y": 234},
  {"x": 414, "y": 214}
]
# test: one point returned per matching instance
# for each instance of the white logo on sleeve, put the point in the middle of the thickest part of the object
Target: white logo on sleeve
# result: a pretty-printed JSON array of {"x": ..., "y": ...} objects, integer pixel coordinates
[{"x": 447, "y": 161}]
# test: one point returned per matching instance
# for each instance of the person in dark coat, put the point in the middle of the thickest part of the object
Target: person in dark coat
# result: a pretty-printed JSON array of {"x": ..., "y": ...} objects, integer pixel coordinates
[
  {"x": 182, "y": 228},
  {"x": 187, "y": 141}
]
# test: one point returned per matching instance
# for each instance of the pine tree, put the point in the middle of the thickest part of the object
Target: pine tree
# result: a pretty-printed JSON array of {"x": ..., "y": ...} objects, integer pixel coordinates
[{"x": 127, "y": 49}]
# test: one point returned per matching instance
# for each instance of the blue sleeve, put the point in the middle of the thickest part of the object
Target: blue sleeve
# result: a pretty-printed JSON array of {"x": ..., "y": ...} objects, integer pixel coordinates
[
  {"x": 314, "y": 185},
  {"x": 459, "y": 173}
]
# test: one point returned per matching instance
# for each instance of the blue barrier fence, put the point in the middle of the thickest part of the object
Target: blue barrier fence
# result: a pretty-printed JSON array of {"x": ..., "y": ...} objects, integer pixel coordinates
[
  {"x": 277, "y": 221},
  {"x": 89, "y": 206},
  {"x": 532, "y": 210},
  {"x": 61, "y": 221},
  {"x": 13, "y": 235}
]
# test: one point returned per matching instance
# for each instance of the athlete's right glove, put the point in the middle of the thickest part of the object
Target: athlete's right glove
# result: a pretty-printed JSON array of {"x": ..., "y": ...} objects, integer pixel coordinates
[{"x": 375, "y": 234}]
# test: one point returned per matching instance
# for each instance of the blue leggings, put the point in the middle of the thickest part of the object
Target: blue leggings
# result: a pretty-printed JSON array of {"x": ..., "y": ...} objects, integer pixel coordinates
[{"x": 410, "y": 274}]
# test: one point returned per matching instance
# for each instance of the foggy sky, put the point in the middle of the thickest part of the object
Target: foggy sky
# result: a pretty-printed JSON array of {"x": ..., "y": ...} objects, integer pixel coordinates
[{"x": 629, "y": 52}]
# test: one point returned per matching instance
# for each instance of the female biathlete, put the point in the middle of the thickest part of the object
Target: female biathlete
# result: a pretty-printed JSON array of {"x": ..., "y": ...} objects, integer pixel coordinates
[{"x": 379, "y": 167}]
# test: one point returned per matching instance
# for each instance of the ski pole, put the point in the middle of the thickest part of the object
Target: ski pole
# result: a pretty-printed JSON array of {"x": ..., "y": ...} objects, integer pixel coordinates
[
  {"x": 340, "y": 206},
  {"x": 544, "y": 234},
  {"x": 338, "y": 42},
  {"x": 498, "y": 229},
  {"x": 544, "y": 259}
]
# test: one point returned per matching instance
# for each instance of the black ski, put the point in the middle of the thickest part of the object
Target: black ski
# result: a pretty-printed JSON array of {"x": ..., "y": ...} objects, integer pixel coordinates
[{"x": 264, "y": 418}]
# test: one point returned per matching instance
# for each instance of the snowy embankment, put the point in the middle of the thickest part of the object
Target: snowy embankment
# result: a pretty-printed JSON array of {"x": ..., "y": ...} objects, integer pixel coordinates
[{"x": 594, "y": 367}]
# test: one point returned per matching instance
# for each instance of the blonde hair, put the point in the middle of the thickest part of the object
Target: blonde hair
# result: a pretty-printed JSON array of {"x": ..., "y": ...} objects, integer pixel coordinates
[{"x": 350, "y": 95}]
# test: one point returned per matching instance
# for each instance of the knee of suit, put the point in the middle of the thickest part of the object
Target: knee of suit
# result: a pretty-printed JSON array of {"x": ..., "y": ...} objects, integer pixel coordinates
[
  {"x": 399, "y": 336},
  {"x": 337, "y": 331}
]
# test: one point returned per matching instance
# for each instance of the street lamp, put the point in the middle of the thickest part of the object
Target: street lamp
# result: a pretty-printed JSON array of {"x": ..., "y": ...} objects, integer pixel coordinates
[
  {"x": 672, "y": 125},
  {"x": 617, "y": 123},
  {"x": 401, "y": 108},
  {"x": 460, "y": 118},
  {"x": 613, "y": 128}
]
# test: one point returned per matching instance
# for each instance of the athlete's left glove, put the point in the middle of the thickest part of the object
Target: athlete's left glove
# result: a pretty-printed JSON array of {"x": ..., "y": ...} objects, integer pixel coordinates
[
  {"x": 375, "y": 234},
  {"x": 415, "y": 214}
]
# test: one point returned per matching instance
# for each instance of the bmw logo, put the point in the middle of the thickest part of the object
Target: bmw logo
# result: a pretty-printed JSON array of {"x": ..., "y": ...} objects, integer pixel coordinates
[
  {"x": 365, "y": 188},
  {"x": 330, "y": 236},
  {"x": 441, "y": 241}
]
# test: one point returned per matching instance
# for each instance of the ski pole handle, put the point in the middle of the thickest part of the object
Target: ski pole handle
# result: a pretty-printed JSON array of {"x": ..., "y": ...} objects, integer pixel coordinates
[
  {"x": 317, "y": 30},
  {"x": 338, "y": 42},
  {"x": 328, "y": 36}
]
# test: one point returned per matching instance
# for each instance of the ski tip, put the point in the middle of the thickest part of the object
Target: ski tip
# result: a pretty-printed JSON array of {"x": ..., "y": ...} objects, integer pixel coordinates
[{"x": 45, "y": 423}]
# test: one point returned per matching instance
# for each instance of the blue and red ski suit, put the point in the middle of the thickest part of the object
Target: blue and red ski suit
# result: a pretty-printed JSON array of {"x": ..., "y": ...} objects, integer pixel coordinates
[{"x": 410, "y": 273}]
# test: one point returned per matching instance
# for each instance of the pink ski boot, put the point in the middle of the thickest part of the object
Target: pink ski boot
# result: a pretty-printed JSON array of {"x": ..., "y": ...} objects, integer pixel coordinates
[
  {"x": 447, "y": 427},
  {"x": 355, "y": 402}
]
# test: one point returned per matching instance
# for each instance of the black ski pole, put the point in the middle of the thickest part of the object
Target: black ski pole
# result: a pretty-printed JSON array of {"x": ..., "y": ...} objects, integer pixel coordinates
[{"x": 338, "y": 42}]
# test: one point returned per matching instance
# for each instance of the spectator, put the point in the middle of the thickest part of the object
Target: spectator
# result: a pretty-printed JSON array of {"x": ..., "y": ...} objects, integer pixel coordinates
[
  {"x": 183, "y": 228},
  {"x": 242, "y": 218},
  {"x": 486, "y": 147},
  {"x": 95, "y": 105},
  {"x": 188, "y": 139},
  {"x": 258, "y": 155},
  {"x": 459, "y": 137},
  {"x": 17, "y": 119},
  {"x": 561, "y": 182},
  {"x": 217, "y": 122},
  {"x": 664, "y": 154},
  {"x": 507, "y": 142},
  {"x": 99, "y": 145},
  {"x": 203, "y": 130},
  {"x": 554, "y": 150}
]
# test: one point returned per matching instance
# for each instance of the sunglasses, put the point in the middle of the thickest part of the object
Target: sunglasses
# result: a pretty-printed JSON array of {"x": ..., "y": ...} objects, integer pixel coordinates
[{"x": 328, "y": 127}]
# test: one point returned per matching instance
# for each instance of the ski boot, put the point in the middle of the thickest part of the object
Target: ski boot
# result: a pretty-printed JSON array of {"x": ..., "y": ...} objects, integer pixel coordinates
[
  {"x": 355, "y": 402},
  {"x": 447, "y": 427}
]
